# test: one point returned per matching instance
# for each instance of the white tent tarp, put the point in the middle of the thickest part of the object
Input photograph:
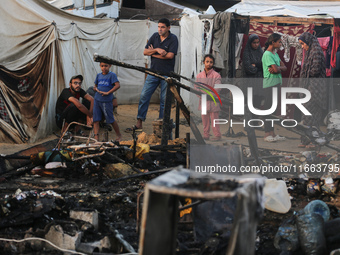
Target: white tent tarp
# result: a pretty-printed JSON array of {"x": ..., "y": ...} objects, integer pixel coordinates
[
  {"x": 80, "y": 3},
  {"x": 75, "y": 3},
  {"x": 111, "y": 11},
  {"x": 192, "y": 52},
  {"x": 286, "y": 8},
  {"x": 61, "y": 3}
]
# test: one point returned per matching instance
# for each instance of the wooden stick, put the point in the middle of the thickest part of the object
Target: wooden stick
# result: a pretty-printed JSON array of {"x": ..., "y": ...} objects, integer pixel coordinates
[
  {"x": 99, "y": 58},
  {"x": 123, "y": 161},
  {"x": 108, "y": 182},
  {"x": 186, "y": 115},
  {"x": 167, "y": 112}
]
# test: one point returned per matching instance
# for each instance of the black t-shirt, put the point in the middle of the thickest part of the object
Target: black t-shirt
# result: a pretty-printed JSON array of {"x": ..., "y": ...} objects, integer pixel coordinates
[
  {"x": 170, "y": 44},
  {"x": 63, "y": 102}
]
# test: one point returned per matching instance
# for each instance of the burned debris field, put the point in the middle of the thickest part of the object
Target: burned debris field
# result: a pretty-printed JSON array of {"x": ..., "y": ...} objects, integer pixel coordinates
[
  {"x": 37, "y": 199},
  {"x": 110, "y": 198},
  {"x": 33, "y": 213},
  {"x": 172, "y": 177}
]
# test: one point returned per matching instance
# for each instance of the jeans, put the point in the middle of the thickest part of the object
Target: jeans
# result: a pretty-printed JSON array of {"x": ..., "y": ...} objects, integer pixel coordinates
[{"x": 150, "y": 85}]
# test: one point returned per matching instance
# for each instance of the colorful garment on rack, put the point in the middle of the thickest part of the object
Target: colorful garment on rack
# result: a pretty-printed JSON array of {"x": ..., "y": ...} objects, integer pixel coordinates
[
  {"x": 324, "y": 43},
  {"x": 329, "y": 53},
  {"x": 336, "y": 42}
]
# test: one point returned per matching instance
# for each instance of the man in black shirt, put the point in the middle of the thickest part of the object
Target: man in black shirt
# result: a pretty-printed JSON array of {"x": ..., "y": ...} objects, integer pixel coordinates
[
  {"x": 68, "y": 106},
  {"x": 162, "y": 47}
]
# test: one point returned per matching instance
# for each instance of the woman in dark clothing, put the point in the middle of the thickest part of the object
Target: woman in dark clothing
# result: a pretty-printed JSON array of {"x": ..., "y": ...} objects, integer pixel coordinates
[
  {"x": 252, "y": 68},
  {"x": 313, "y": 73},
  {"x": 252, "y": 55}
]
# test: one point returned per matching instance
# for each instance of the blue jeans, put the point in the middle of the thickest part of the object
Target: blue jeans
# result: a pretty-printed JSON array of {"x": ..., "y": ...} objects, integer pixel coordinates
[{"x": 150, "y": 85}]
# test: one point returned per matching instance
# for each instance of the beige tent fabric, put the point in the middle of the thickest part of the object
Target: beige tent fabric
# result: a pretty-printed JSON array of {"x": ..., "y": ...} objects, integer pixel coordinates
[
  {"x": 46, "y": 46},
  {"x": 25, "y": 53},
  {"x": 24, "y": 35},
  {"x": 25, "y": 93}
]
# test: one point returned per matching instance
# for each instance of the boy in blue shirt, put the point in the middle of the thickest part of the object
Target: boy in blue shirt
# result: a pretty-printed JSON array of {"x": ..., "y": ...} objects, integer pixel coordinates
[{"x": 105, "y": 84}]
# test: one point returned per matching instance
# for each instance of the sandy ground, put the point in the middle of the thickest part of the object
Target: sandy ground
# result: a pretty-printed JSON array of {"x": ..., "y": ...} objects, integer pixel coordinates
[{"x": 127, "y": 117}]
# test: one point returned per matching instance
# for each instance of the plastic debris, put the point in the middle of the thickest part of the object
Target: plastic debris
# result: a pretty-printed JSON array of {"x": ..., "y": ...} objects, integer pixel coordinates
[{"x": 318, "y": 207}]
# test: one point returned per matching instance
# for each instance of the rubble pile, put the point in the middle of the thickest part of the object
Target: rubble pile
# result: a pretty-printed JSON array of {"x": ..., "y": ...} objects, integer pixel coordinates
[
  {"x": 68, "y": 219},
  {"x": 300, "y": 230},
  {"x": 88, "y": 198}
]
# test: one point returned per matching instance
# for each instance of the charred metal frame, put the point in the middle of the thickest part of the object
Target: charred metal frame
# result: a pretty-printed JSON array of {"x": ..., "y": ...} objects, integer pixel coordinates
[{"x": 160, "y": 212}]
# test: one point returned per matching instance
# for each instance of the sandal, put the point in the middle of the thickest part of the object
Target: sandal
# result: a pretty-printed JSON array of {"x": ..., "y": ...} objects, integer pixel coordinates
[
  {"x": 302, "y": 145},
  {"x": 280, "y": 138},
  {"x": 134, "y": 128},
  {"x": 269, "y": 139}
]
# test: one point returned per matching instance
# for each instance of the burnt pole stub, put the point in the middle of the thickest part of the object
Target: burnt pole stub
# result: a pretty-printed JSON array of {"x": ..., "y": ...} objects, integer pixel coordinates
[
  {"x": 166, "y": 128},
  {"x": 177, "y": 114}
]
